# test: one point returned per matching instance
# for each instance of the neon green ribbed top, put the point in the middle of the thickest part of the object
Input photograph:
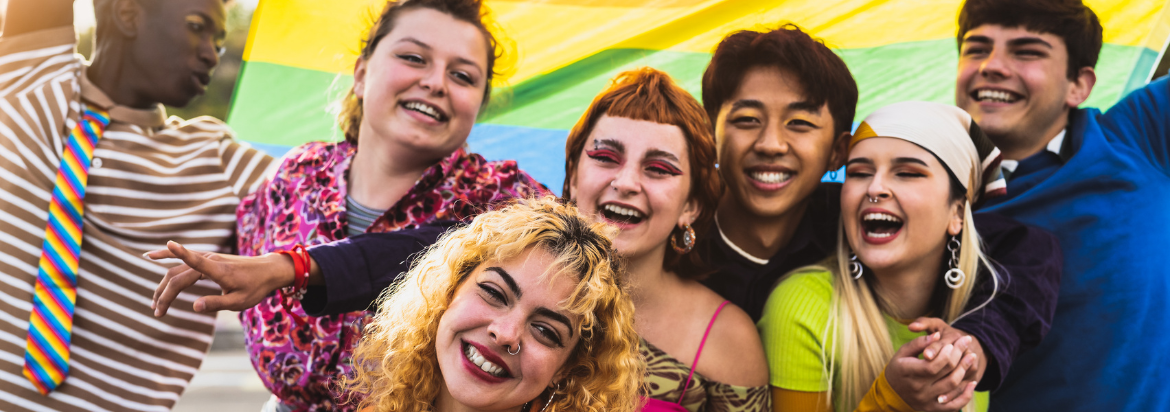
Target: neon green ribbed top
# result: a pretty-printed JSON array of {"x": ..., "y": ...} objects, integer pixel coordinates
[{"x": 793, "y": 330}]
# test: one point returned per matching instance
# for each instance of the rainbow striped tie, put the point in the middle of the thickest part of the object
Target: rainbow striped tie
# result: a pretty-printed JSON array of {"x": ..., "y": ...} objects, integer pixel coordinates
[{"x": 46, "y": 357}]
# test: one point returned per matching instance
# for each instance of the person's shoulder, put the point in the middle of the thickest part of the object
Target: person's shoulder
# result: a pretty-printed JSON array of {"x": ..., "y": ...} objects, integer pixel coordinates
[
  {"x": 199, "y": 128},
  {"x": 1002, "y": 232},
  {"x": 813, "y": 281},
  {"x": 41, "y": 43},
  {"x": 801, "y": 298},
  {"x": 29, "y": 62},
  {"x": 315, "y": 155},
  {"x": 504, "y": 174},
  {"x": 733, "y": 353}
]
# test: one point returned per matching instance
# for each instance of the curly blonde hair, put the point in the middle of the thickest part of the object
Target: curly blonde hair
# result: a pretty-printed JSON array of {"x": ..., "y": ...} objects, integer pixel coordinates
[{"x": 396, "y": 366}]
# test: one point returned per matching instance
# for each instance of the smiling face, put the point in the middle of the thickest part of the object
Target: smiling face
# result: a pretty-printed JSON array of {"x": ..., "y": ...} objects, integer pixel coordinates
[
  {"x": 175, "y": 47},
  {"x": 506, "y": 307},
  {"x": 1015, "y": 84},
  {"x": 422, "y": 86},
  {"x": 913, "y": 216},
  {"x": 634, "y": 174},
  {"x": 774, "y": 146}
]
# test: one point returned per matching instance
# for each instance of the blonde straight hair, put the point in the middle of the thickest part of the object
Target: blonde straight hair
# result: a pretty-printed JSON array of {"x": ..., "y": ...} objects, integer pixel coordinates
[{"x": 861, "y": 345}]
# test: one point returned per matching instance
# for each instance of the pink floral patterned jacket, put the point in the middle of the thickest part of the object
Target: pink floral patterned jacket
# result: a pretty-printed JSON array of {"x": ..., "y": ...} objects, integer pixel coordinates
[{"x": 299, "y": 357}]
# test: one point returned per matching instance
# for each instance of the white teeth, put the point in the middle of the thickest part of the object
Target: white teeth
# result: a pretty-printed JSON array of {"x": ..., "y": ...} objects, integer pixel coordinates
[
  {"x": 423, "y": 108},
  {"x": 623, "y": 211},
  {"x": 473, "y": 355},
  {"x": 878, "y": 235},
  {"x": 771, "y": 177},
  {"x": 995, "y": 96},
  {"x": 881, "y": 216}
]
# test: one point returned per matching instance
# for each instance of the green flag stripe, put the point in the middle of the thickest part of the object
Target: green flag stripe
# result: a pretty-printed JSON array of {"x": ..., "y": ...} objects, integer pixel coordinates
[{"x": 270, "y": 95}]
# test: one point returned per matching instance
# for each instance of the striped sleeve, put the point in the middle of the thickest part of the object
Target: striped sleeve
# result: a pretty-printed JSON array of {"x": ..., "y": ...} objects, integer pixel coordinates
[
  {"x": 244, "y": 166},
  {"x": 793, "y": 331},
  {"x": 33, "y": 57}
]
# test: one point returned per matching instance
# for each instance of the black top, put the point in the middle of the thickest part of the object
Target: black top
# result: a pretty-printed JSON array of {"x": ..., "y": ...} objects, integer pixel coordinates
[{"x": 1028, "y": 261}]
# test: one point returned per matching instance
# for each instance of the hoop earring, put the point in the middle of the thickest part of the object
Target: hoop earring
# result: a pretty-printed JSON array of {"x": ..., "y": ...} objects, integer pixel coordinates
[
  {"x": 955, "y": 276},
  {"x": 833, "y": 175},
  {"x": 551, "y": 396},
  {"x": 510, "y": 349},
  {"x": 688, "y": 240},
  {"x": 855, "y": 267}
]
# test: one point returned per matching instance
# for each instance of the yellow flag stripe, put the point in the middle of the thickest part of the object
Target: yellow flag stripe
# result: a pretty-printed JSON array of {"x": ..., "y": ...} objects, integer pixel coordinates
[{"x": 324, "y": 36}]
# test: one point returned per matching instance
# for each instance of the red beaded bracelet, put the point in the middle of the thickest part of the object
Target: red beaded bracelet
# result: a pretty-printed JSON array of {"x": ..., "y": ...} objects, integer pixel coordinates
[{"x": 301, "y": 266}]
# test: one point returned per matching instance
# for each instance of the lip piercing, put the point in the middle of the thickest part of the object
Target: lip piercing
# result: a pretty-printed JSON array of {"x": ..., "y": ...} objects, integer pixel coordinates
[{"x": 517, "y": 352}]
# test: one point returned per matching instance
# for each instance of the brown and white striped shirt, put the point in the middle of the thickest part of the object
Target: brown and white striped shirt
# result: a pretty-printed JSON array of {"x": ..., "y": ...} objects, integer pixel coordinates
[{"x": 153, "y": 179}]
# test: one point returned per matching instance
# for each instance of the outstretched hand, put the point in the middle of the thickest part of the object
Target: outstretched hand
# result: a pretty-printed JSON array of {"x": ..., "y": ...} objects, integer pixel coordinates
[
  {"x": 937, "y": 384},
  {"x": 245, "y": 280}
]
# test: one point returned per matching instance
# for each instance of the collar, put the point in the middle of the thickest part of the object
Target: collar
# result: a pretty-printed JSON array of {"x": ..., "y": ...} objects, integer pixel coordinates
[
  {"x": 446, "y": 166},
  {"x": 1056, "y": 146},
  {"x": 737, "y": 249},
  {"x": 146, "y": 118},
  {"x": 818, "y": 227}
]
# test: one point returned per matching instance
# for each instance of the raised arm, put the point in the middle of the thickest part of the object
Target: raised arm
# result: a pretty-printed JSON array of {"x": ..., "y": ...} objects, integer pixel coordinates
[
  {"x": 1142, "y": 118},
  {"x": 27, "y": 16}
]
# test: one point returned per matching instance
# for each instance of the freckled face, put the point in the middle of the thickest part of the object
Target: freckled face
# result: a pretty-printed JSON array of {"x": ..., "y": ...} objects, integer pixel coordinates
[
  {"x": 506, "y": 307},
  {"x": 913, "y": 216},
  {"x": 773, "y": 145},
  {"x": 635, "y": 174}
]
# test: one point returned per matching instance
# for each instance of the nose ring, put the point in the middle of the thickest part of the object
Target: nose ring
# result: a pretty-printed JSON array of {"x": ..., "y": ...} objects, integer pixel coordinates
[
  {"x": 517, "y": 352},
  {"x": 873, "y": 200}
]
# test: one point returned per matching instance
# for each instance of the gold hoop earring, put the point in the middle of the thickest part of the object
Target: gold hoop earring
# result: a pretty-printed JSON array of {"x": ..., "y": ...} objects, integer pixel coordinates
[{"x": 688, "y": 240}]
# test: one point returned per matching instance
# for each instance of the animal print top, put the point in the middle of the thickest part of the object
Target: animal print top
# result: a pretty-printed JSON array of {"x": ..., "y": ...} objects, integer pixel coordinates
[{"x": 665, "y": 377}]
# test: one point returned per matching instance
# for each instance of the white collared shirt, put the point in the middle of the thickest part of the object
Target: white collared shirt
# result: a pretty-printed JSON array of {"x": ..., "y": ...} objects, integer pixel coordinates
[{"x": 1053, "y": 146}]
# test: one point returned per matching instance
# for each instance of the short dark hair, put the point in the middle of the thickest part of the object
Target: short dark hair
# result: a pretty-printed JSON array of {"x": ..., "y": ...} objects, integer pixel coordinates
[
  {"x": 823, "y": 74},
  {"x": 1070, "y": 20}
]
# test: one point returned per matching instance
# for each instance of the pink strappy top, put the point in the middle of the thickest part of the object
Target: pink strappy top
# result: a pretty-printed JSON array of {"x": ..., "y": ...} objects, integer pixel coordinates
[{"x": 658, "y": 405}]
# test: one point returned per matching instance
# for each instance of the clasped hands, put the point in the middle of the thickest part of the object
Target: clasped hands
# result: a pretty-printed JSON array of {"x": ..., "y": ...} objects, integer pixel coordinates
[{"x": 944, "y": 377}]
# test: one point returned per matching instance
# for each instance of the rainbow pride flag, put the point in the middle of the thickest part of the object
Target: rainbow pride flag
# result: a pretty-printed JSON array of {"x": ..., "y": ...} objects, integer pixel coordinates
[{"x": 300, "y": 55}]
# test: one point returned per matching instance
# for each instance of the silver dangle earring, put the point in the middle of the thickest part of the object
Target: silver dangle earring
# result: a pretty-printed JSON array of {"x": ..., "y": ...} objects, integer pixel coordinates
[
  {"x": 855, "y": 267},
  {"x": 955, "y": 276},
  {"x": 551, "y": 395}
]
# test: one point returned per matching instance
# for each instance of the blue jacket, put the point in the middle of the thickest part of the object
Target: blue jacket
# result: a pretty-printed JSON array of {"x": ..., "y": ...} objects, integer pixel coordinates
[{"x": 1107, "y": 199}]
